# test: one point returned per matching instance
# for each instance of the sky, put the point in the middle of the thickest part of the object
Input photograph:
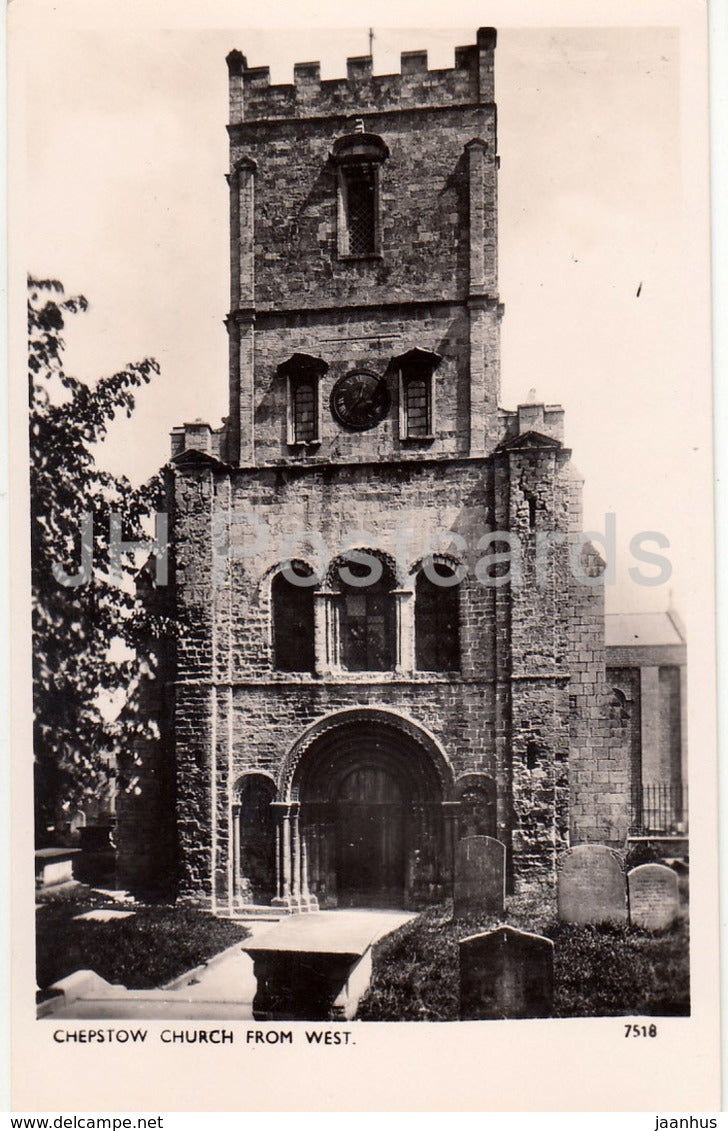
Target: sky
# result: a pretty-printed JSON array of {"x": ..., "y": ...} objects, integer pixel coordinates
[{"x": 121, "y": 149}]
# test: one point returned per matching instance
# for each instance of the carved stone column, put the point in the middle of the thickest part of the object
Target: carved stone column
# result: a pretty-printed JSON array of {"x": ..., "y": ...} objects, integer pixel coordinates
[
  {"x": 295, "y": 859},
  {"x": 404, "y": 607},
  {"x": 279, "y": 883},
  {"x": 282, "y": 810},
  {"x": 292, "y": 890},
  {"x": 327, "y": 652},
  {"x": 308, "y": 900},
  {"x": 320, "y": 633},
  {"x": 235, "y": 821}
]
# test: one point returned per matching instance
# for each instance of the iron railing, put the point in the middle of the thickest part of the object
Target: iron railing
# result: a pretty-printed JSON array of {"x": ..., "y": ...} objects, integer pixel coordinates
[{"x": 661, "y": 808}]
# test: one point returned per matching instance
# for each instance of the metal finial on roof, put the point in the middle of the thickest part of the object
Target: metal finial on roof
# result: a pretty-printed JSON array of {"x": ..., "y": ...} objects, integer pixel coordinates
[{"x": 532, "y": 397}]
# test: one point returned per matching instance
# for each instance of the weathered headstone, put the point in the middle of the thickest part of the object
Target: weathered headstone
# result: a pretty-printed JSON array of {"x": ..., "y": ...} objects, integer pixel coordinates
[
  {"x": 592, "y": 886},
  {"x": 54, "y": 866},
  {"x": 653, "y": 898},
  {"x": 506, "y": 973},
  {"x": 480, "y": 869}
]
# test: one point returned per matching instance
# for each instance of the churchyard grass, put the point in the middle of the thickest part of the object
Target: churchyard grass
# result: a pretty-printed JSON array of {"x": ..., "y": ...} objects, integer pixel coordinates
[
  {"x": 598, "y": 971},
  {"x": 157, "y": 943}
]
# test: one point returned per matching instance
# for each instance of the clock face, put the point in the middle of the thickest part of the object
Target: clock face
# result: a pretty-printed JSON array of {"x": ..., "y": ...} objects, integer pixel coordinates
[{"x": 360, "y": 399}]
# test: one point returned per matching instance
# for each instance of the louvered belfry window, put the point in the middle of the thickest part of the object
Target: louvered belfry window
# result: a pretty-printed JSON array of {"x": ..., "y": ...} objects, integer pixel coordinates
[{"x": 358, "y": 158}]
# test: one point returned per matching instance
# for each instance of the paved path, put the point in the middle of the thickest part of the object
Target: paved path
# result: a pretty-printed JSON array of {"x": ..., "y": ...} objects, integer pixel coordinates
[{"x": 224, "y": 988}]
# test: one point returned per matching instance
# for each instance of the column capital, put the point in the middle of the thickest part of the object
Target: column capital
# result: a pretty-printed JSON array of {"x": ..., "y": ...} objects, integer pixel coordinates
[
  {"x": 285, "y": 808},
  {"x": 405, "y": 630}
]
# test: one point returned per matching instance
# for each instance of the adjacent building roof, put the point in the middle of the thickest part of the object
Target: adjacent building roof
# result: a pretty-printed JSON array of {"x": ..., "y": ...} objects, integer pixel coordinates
[{"x": 647, "y": 630}]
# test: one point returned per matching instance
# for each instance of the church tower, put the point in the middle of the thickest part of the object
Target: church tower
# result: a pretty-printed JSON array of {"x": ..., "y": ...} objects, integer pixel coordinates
[
  {"x": 364, "y": 240},
  {"x": 362, "y": 674}
]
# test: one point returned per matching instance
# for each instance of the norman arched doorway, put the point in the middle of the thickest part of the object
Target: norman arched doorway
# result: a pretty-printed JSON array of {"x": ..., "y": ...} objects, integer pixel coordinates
[{"x": 367, "y": 826}]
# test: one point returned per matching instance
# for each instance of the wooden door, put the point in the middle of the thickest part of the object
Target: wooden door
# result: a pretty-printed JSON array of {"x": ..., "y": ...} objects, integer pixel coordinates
[{"x": 370, "y": 840}]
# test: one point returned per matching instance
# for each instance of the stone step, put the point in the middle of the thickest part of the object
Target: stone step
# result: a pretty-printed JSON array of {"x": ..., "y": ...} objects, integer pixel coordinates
[{"x": 255, "y": 911}]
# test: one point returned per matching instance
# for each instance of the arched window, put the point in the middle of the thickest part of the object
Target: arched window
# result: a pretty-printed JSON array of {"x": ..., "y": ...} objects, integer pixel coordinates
[
  {"x": 292, "y": 604},
  {"x": 359, "y": 209},
  {"x": 359, "y": 157},
  {"x": 256, "y": 839},
  {"x": 367, "y": 619},
  {"x": 437, "y": 621}
]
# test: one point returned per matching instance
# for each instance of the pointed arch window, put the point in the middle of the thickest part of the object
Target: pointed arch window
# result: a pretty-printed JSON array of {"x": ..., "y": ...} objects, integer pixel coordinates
[
  {"x": 293, "y": 618},
  {"x": 437, "y": 620}
]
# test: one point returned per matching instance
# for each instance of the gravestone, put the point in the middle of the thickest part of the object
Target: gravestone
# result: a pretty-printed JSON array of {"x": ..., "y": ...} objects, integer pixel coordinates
[
  {"x": 592, "y": 886},
  {"x": 317, "y": 967},
  {"x": 480, "y": 869},
  {"x": 506, "y": 973},
  {"x": 54, "y": 866},
  {"x": 653, "y": 898}
]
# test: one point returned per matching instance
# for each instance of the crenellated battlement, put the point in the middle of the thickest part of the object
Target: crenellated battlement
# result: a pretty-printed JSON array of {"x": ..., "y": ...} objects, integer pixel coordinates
[{"x": 470, "y": 81}]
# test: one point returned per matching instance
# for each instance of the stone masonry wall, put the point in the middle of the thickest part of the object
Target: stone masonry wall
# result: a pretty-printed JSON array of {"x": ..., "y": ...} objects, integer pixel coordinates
[
  {"x": 532, "y": 503},
  {"x": 369, "y": 340},
  {"x": 506, "y": 715},
  {"x": 230, "y": 700},
  {"x": 269, "y": 515},
  {"x": 470, "y": 80},
  {"x": 432, "y": 281},
  {"x": 600, "y": 770},
  {"x": 626, "y": 710},
  {"x": 423, "y": 208},
  {"x": 530, "y": 706}
]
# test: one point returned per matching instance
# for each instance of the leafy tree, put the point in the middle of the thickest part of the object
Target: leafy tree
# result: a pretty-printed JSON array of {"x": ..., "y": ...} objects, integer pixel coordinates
[{"x": 91, "y": 637}]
